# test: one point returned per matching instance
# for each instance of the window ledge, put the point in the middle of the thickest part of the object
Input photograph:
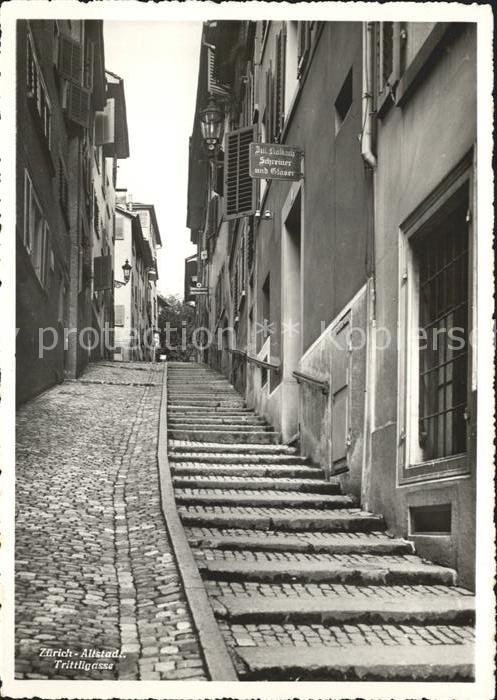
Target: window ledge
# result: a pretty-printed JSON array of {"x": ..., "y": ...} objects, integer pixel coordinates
[{"x": 436, "y": 469}]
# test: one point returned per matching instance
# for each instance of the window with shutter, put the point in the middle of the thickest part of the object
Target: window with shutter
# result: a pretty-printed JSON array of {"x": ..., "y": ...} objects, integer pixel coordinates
[
  {"x": 70, "y": 59},
  {"x": 77, "y": 104},
  {"x": 239, "y": 188},
  {"x": 119, "y": 315},
  {"x": 89, "y": 61},
  {"x": 213, "y": 216},
  {"x": 214, "y": 87},
  {"x": 63, "y": 189}
]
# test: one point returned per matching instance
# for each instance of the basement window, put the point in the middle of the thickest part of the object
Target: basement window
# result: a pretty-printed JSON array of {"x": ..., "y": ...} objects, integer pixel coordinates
[
  {"x": 343, "y": 102},
  {"x": 431, "y": 520}
]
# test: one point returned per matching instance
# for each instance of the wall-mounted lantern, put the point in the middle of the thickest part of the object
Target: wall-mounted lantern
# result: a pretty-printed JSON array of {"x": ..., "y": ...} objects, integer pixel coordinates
[
  {"x": 211, "y": 124},
  {"x": 126, "y": 268}
]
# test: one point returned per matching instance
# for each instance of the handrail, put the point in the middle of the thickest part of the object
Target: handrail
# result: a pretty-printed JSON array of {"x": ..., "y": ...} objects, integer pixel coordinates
[
  {"x": 255, "y": 361},
  {"x": 321, "y": 384}
]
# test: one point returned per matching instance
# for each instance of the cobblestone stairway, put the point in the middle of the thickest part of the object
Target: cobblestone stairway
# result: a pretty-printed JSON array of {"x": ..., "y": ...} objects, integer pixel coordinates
[{"x": 304, "y": 584}]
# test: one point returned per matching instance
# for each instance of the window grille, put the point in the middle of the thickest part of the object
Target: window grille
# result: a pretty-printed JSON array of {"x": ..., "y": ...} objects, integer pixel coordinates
[{"x": 442, "y": 260}]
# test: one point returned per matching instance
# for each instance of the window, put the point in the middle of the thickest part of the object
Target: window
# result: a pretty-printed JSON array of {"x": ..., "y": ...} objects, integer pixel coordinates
[
  {"x": 304, "y": 46},
  {"x": 119, "y": 228},
  {"x": 36, "y": 233},
  {"x": 96, "y": 217},
  {"x": 119, "y": 315},
  {"x": 343, "y": 102},
  {"x": 63, "y": 189},
  {"x": 37, "y": 93},
  {"x": 435, "y": 352},
  {"x": 441, "y": 257},
  {"x": 88, "y": 65},
  {"x": 385, "y": 55}
]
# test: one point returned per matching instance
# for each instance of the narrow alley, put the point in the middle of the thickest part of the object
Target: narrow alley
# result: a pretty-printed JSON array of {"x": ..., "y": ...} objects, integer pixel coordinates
[{"x": 289, "y": 562}]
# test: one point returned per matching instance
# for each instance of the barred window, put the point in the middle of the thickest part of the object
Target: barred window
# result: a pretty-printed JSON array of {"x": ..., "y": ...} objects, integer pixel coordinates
[{"x": 441, "y": 255}]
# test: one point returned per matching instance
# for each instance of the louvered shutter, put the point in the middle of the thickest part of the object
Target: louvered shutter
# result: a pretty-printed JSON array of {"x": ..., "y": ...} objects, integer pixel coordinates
[
  {"x": 239, "y": 188},
  {"x": 214, "y": 87},
  {"x": 70, "y": 59},
  {"x": 77, "y": 104},
  {"x": 213, "y": 216},
  {"x": 119, "y": 315},
  {"x": 102, "y": 272}
]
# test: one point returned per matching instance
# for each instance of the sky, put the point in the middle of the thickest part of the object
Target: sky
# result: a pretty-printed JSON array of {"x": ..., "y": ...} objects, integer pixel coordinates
[{"x": 158, "y": 62}]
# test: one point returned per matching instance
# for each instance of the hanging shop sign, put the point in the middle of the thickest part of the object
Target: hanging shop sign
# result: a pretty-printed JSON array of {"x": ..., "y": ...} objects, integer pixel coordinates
[
  {"x": 199, "y": 290},
  {"x": 275, "y": 161}
]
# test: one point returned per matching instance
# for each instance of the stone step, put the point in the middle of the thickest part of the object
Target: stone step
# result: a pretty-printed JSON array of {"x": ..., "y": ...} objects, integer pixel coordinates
[
  {"x": 293, "y": 519},
  {"x": 235, "y": 427},
  {"x": 266, "y": 499},
  {"x": 210, "y": 403},
  {"x": 340, "y": 610},
  {"x": 341, "y": 568},
  {"x": 195, "y": 382},
  {"x": 214, "y": 481},
  {"x": 443, "y": 662},
  {"x": 190, "y": 468},
  {"x": 203, "y": 419},
  {"x": 236, "y": 449},
  {"x": 225, "y": 436},
  {"x": 254, "y": 458},
  {"x": 209, "y": 411},
  {"x": 331, "y": 543},
  {"x": 179, "y": 395}
]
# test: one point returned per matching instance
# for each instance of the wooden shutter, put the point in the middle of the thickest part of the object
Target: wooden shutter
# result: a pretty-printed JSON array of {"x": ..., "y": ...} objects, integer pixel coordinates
[
  {"x": 239, "y": 188},
  {"x": 214, "y": 87},
  {"x": 70, "y": 59},
  {"x": 89, "y": 63},
  {"x": 77, "y": 104},
  {"x": 102, "y": 272},
  {"x": 119, "y": 315},
  {"x": 213, "y": 216},
  {"x": 279, "y": 85}
]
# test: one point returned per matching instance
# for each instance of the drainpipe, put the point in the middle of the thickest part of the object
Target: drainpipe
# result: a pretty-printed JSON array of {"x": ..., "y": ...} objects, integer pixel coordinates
[
  {"x": 370, "y": 162},
  {"x": 367, "y": 95}
]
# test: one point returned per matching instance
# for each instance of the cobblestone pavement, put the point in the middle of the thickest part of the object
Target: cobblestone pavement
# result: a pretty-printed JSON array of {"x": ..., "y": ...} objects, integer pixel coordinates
[{"x": 98, "y": 594}]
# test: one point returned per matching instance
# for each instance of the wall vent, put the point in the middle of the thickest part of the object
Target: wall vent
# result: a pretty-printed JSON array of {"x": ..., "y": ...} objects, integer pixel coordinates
[{"x": 431, "y": 520}]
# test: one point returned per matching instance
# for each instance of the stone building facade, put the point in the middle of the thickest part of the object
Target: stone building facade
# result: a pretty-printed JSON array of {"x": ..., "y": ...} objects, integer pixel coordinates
[
  {"x": 137, "y": 238},
  {"x": 315, "y": 284},
  {"x": 64, "y": 204}
]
